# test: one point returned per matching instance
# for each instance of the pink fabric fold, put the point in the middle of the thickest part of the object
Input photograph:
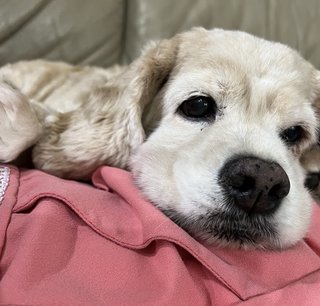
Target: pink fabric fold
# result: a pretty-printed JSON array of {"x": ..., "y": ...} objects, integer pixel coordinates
[{"x": 68, "y": 243}]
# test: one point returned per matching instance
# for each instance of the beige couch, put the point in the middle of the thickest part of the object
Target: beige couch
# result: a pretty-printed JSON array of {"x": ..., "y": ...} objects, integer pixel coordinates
[{"x": 104, "y": 32}]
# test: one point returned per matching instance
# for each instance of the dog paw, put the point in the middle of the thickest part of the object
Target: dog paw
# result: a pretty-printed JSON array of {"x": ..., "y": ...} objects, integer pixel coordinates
[{"x": 19, "y": 125}]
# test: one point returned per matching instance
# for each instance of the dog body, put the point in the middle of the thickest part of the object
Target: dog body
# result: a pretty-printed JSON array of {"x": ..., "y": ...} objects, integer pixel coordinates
[
  {"x": 43, "y": 84},
  {"x": 212, "y": 125}
]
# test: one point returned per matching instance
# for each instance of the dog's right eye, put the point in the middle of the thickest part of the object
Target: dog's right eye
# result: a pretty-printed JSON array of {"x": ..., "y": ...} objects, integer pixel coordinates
[
  {"x": 199, "y": 108},
  {"x": 293, "y": 134}
]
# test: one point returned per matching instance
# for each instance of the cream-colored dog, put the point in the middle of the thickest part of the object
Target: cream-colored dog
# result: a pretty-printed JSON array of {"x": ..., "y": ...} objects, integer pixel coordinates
[{"x": 212, "y": 125}]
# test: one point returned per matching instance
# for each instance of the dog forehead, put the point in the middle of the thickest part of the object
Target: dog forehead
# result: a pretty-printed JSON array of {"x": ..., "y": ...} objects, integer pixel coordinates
[
  {"x": 239, "y": 64},
  {"x": 238, "y": 51}
]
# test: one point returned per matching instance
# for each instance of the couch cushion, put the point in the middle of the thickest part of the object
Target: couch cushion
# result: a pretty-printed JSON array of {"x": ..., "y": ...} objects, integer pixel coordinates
[
  {"x": 87, "y": 32},
  {"x": 103, "y": 32},
  {"x": 295, "y": 23}
]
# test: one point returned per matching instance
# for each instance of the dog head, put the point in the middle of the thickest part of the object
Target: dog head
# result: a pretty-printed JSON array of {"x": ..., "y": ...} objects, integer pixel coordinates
[
  {"x": 227, "y": 117},
  {"x": 217, "y": 121}
]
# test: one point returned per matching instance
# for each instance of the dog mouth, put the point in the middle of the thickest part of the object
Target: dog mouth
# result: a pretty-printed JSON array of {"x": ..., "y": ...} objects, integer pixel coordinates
[{"x": 228, "y": 228}]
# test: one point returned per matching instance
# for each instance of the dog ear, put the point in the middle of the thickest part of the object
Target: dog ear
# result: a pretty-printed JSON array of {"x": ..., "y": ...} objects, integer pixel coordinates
[
  {"x": 316, "y": 103},
  {"x": 107, "y": 128},
  {"x": 142, "y": 81},
  {"x": 137, "y": 87},
  {"x": 310, "y": 159},
  {"x": 317, "y": 90}
]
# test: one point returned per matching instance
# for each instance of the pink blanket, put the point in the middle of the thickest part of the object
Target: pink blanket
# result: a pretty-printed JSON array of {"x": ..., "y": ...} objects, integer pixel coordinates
[{"x": 68, "y": 243}]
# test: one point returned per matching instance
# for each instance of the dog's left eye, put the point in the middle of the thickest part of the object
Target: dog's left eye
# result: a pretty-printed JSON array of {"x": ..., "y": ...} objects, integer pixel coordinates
[
  {"x": 200, "y": 107},
  {"x": 293, "y": 134}
]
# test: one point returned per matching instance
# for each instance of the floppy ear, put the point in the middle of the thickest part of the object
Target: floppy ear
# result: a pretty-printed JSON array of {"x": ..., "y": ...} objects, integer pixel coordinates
[
  {"x": 142, "y": 81},
  {"x": 108, "y": 127},
  {"x": 317, "y": 86},
  {"x": 316, "y": 103},
  {"x": 310, "y": 159}
]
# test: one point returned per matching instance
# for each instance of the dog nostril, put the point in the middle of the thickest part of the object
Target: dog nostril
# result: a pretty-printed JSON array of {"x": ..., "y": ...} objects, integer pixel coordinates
[
  {"x": 244, "y": 184},
  {"x": 278, "y": 191}
]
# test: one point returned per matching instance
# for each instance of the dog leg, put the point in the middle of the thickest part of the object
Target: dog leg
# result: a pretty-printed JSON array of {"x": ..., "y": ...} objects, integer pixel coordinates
[{"x": 19, "y": 125}]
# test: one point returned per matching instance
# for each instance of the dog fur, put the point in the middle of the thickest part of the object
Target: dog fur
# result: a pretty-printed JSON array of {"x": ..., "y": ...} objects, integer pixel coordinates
[{"x": 78, "y": 118}]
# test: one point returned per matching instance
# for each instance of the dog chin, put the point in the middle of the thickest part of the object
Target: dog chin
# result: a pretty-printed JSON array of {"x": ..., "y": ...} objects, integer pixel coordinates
[{"x": 230, "y": 228}]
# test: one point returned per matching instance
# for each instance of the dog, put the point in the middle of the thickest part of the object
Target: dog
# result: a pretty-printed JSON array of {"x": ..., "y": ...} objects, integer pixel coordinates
[{"x": 211, "y": 123}]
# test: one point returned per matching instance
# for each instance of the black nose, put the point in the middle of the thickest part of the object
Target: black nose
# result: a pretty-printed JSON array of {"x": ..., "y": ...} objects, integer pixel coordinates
[{"x": 255, "y": 185}]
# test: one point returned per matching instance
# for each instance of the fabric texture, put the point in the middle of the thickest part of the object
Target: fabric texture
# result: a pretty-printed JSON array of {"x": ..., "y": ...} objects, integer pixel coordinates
[
  {"x": 69, "y": 243},
  {"x": 106, "y": 32}
]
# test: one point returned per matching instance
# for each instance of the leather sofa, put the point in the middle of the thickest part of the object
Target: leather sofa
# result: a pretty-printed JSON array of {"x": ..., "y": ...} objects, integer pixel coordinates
[{"x": 105, "y": 32}]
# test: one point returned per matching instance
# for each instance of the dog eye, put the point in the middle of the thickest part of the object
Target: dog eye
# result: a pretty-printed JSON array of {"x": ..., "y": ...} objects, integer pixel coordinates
[
  {"x": 201, "y": 107},
  {"x": 293, "y": 134}
]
